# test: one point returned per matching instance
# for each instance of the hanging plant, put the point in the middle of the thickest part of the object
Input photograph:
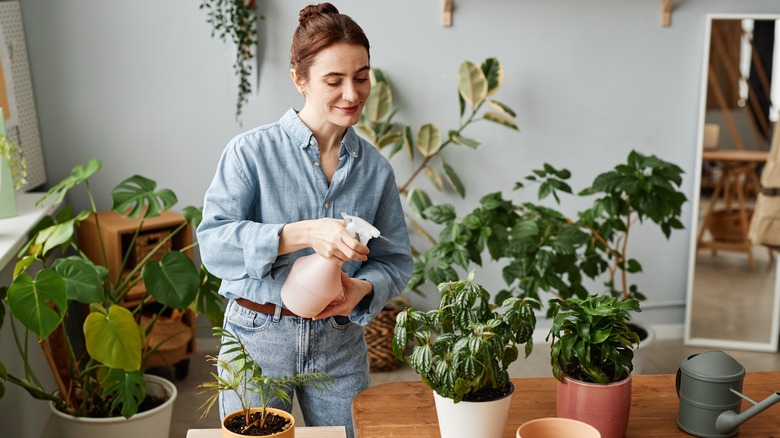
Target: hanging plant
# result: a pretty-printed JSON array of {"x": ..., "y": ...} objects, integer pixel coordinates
[
  {"x": 236, "y": 20},
  {"x": 14, "y": 155}
]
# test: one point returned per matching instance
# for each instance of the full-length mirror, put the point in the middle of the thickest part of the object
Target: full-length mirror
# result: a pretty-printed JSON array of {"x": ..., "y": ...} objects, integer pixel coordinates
[{"x": 733, "y": 291}]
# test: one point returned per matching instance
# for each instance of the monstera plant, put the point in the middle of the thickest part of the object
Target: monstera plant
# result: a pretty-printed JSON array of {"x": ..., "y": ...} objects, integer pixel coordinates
[{"x": 54, "y": 281}]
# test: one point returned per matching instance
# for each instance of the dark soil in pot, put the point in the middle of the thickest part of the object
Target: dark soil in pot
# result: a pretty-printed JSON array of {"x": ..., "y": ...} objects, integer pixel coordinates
[
  {"x": 490, "y": 393},
  {"x": 273, "y": 424}
]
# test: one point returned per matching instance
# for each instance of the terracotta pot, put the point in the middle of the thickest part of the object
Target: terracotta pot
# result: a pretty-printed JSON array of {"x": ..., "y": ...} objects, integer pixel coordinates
[
  {"x": 485, "y": 419},
  {"x": 605, "y": 407},
  {"x": 289, "y": 433},
  {"x": 154, "y": 423},
  {"x": 554, "y": 427}
]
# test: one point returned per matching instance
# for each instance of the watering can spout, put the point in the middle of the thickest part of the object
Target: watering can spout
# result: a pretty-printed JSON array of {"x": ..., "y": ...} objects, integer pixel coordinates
[{"x": 730, "y": 420}]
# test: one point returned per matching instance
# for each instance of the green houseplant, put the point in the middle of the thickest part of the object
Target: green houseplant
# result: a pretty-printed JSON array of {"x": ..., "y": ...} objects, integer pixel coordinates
[
  {"x": 236, "y": 20},
  {"x": 242, "y": 376},
  {"x": 98, "y": 372},
  {"x": 547, "y": 251},
  {"x": 592, "y": 357},
  {"x": 13, "y": 173},
  {"x": 463, "y": 348},
  {"x": 477, "y": 86}
]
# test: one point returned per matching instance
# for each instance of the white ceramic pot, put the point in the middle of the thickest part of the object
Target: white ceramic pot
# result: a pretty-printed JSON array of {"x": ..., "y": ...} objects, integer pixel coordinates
[
  {"x": 155, "y": 423},
  {"x": 554, "y": 427},
  {"x": 472, "y": 419},
  {"x": 640, "y": 354}
]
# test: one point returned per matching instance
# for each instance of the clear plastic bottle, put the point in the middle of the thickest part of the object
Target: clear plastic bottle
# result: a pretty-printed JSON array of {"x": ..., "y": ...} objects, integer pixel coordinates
[{"x": 314, "y": 281}]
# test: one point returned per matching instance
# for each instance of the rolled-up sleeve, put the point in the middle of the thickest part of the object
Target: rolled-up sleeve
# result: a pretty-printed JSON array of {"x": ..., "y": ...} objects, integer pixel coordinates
[{"x": 237, "y": 248}]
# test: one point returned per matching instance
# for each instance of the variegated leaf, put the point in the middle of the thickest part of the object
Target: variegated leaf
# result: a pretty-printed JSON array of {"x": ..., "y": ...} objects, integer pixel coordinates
[
  {"x": 472, "y": 84},
  {"x": 501, "y": 120}
]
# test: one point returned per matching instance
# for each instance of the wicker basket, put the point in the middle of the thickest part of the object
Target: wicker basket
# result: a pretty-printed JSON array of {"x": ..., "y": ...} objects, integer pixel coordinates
[
  {"x": 379, "y": 337},
  {"x": 146, "y": 242},
  {"x": 726, "y": 225},
  {"x": 173, "y": 338}
]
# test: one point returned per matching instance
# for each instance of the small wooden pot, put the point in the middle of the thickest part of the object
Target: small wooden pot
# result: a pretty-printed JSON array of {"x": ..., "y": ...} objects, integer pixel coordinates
[{"x": 289, "y": 433}]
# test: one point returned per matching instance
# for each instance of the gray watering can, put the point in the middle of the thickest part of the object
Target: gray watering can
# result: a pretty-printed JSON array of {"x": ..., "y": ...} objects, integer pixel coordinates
[{"x": 709, "y": 387}]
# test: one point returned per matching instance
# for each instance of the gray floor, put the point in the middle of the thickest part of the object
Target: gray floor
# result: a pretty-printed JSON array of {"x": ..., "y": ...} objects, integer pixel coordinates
[{"x": 662, "y": 357}]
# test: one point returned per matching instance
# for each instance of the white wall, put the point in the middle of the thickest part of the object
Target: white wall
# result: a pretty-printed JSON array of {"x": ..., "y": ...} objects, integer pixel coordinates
[{"x": 143, "y": 86}]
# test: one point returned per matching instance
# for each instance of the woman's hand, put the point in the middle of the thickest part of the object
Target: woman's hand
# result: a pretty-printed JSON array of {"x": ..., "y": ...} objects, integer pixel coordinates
[
  {"x": 331, "y": 240},
  {"x": 354, "y": 290},
  {"x": 328, "y": 237}
]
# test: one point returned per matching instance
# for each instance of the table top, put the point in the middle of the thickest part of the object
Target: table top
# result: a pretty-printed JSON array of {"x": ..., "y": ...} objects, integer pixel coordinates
[
  {"x": 300, "y": 432},
  {"x": 735, "y": 155},
  {"x": 405, "y": 409}
]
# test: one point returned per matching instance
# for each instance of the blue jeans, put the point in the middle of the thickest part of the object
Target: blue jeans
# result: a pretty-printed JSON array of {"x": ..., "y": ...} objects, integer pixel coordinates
[{"x": 285, "y": 346}]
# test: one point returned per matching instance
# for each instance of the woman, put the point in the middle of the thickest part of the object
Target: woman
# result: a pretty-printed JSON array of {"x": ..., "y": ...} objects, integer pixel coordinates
[{"x": 278, "y": 194}]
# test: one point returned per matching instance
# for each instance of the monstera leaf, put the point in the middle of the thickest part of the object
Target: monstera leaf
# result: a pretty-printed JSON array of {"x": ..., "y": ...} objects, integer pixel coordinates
[{"x": 137, "y": 195}]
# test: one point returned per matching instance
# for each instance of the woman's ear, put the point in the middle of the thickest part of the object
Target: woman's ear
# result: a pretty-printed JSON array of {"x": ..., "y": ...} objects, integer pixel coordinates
[{"x": 299, "y": 84}]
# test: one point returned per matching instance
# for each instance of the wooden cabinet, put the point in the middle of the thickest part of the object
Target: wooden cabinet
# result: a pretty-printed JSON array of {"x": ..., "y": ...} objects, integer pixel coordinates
[{"x": 117, "y": 233}]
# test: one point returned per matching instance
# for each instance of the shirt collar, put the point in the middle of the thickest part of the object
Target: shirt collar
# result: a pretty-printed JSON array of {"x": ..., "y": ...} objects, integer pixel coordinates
[{"x": 303, "y": 137}]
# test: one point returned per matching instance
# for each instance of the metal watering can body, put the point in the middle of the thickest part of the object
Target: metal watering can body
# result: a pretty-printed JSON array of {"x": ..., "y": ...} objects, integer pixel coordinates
[{"x": 709, "y": 387}]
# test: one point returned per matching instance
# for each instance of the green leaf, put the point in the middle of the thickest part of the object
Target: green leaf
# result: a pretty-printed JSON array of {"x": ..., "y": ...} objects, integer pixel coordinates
[
  {"x": 39, "y": 304},
  {"x": 501, "y": 120},
  {"x": 459, "y": 139},
  {"x": 501, "y": 107},
  {"x": 83, "y": 279},
  {"x": 472, "y": 84},
  {"x": 173, "y": 281},
  {"x": 124, "y": 389},
  {"x": 494, "y": 73},
  {"x": 137, "y": 195},
  {"x": 379, "y": 102},
  {"x": 113, "y": 338},
  {"x": 453, "y": 179},
  {"x": 428, "y": 140},
  {"x": 418, "y": 200},
  {"x": 78, "y": 175},
  {"x": 440, "y": 214},
  {"x": 434, "y": 177}
]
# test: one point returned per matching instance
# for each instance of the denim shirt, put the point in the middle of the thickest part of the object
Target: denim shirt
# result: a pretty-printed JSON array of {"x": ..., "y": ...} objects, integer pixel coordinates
[{"x": 270, "y": 176}]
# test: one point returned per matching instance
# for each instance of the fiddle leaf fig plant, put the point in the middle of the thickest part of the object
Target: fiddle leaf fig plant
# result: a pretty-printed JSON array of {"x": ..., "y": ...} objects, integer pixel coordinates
[
  {"x": 107, "y": 378},
  {"x": 591, "y": 341},
  {"x": 543, "y": 249},
  {"x": 462, "y": 349}
]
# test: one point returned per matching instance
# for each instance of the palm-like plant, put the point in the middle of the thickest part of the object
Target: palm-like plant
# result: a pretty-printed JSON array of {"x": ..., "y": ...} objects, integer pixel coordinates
[
  {"x": 107, "y": 378},
  {"x": 242, "y": 376}
]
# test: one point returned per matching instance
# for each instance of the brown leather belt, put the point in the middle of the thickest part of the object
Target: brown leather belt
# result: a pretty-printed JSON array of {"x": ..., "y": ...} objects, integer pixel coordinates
[{"x": 266, "y": 308}]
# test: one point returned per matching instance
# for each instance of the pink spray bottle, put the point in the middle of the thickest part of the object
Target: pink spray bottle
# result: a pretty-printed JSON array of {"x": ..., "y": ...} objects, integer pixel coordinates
[{"x": 314, "y": 281}]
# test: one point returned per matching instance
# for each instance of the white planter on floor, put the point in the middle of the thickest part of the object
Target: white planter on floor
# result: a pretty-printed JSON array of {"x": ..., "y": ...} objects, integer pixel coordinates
[
  {"x": 155, "y": 423},
  {"x": 472, "y": 419},
  {"x": 640, "y": 354}
]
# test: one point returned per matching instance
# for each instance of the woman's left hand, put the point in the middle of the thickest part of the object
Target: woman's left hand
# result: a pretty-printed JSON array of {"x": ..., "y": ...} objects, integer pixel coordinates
[{"x": 354, "y": 290}]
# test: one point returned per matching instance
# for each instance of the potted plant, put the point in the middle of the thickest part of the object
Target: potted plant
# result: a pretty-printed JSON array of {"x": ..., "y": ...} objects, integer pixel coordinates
[
  {"x": 477, "y": 86},
  {"x": 592, "y": 357},
  {"x": 462, "y": 351},
  {"x": 243, "y": 376},
  {"x": 99, "y": 370},
  {"x": 13, "y": 172},
  {"x": 545, "y": 250}
]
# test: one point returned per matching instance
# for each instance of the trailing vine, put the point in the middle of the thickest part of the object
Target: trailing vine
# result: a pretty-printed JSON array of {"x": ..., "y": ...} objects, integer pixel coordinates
[{"x": 236, "y": 20}]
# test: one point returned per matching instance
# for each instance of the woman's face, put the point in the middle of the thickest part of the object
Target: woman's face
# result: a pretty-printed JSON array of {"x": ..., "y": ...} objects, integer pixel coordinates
[{"x": 337, "y": 87}]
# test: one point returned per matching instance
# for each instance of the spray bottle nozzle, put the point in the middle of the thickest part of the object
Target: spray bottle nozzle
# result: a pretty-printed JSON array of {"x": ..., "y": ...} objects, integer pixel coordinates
[{"x": 362, "y": 229}]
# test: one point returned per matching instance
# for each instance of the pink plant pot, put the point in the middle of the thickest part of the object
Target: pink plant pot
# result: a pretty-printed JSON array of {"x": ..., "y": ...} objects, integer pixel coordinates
[
  {"x": 553, "y": 427},
  {"x": 605, "y": 407}
]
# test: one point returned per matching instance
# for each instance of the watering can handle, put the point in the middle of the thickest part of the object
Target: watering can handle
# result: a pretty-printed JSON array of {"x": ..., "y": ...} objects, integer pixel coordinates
[{"x": 679, "y": 375}]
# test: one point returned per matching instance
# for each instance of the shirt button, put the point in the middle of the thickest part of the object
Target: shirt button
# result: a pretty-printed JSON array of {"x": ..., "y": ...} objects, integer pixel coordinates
[
  {"x": 312, "y": 142},
  {"x": 354, "y": 154},
  {"x": 327, "y": 206},
  {"x": 317, "y": 163}
]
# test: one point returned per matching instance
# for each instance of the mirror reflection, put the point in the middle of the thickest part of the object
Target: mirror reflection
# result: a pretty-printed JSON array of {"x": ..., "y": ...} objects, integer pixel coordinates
[{"x": 733, "y": 292}]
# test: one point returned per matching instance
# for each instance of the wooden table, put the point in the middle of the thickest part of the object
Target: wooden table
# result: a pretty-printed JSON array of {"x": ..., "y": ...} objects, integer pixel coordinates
[
  {"x": 738, "y": 179},
  {"x": 406, "y": 409},
  {"x": 300, "y": 432}
]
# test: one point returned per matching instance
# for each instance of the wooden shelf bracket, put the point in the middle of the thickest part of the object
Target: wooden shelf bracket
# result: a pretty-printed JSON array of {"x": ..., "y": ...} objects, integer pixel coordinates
[
  {"x": 447, "y": 14},
  {"x": 666, "y": 12}
]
